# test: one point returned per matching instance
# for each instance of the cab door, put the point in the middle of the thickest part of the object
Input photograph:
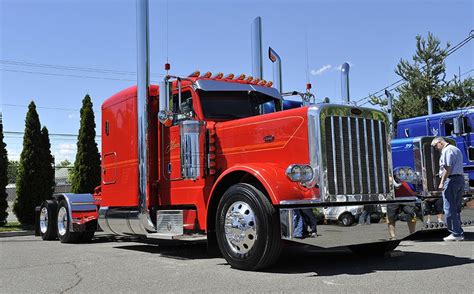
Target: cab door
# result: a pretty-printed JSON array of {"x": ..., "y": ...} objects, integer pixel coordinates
[{"x": 171, "y": 136}]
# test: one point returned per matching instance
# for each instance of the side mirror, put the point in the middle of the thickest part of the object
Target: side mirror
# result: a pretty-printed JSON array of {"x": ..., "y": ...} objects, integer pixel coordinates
[{"x": 165, "y": 116}]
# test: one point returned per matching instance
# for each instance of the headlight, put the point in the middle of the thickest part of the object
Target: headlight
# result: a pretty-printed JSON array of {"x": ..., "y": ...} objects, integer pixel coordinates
[
  {"x": 410, "y": 175},
  {"x": 300, "y": 173},
  {"x": 405, "y": 173}
]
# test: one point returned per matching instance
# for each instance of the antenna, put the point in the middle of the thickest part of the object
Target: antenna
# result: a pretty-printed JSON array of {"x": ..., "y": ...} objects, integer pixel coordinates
[{"x": 167, "y": 64}]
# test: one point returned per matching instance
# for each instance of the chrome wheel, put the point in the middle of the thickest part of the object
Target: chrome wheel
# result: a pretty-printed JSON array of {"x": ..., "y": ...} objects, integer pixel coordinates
[
  {"x": 44, "y": 220},
  {"x": 240, "y": 227},
  {"x": 62, "y": 221}
]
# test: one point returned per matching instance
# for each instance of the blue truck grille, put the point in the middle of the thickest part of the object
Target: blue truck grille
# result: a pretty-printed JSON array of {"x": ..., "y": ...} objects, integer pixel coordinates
[
  {"x": 431, "y": 166},
  {"x": 356, "y": 156}
]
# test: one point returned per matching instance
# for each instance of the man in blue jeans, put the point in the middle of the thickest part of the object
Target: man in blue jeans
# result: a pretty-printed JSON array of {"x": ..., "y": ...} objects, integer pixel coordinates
[
  {"x": 302, "y": 219},
  {"x": 452, "y": 183}
]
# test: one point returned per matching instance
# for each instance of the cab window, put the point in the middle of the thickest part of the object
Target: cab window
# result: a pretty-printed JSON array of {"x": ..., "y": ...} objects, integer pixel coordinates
[{"x": 186, "y": 110}]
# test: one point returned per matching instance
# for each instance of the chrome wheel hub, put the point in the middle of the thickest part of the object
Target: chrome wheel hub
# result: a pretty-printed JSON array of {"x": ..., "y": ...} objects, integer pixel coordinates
[
  {"x": 240, "y": 227},
  {"x": 62, "y": 221},
  {"x": 44, "y": 220}
]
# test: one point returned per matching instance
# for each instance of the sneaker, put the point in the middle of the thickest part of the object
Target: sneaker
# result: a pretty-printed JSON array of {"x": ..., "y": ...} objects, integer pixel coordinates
[{"x": 453, "y": 238}]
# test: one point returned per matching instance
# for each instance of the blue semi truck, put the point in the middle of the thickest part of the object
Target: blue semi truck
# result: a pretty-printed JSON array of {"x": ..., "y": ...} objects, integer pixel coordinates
[
  {"x": 416, "y": 162},
  {"x": 457, "y": 125}
]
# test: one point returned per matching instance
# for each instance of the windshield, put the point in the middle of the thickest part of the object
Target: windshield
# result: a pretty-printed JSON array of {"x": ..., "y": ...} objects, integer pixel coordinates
[{"x": 235, "y": 104}]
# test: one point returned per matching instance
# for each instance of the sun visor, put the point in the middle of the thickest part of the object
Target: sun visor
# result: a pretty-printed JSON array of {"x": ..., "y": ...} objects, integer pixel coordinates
[{"x": 210, "y": 85}]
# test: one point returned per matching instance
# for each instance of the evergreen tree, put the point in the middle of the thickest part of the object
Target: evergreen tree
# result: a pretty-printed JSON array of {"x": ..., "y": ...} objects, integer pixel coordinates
[
  {"x": 12, "y": 171},
  {"x": 29, "y": 179},
  {"x": 86, "y": 174},
  {"x": 459, "y": 94},
  {"x": 3, "y": 178},
  {"x": 47, "y": 169},
  {"x": 425, "y": 76}
]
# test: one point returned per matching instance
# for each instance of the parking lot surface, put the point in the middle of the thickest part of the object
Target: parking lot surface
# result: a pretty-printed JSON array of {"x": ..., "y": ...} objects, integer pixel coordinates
[{"x": 115, "y": 265}]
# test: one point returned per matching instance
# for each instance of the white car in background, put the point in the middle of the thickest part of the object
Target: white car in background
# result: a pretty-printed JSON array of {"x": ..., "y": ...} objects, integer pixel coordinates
[{"x": 348, "y": 215}]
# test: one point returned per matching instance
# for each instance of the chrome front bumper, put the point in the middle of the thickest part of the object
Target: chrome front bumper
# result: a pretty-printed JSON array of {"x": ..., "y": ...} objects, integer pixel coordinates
[{"x": 332, "y": 233}]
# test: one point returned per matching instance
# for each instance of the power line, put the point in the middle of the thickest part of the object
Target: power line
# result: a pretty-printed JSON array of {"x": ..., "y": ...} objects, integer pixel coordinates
[
  {"x": 64, "y": 75},
  {"x": 448, "y": 52},
  {"x": 50, "y": 134},
  {"x": 42, "y": 107},
  {"x": 463, "y": 74},
  {"x": 72, "y": 68}
]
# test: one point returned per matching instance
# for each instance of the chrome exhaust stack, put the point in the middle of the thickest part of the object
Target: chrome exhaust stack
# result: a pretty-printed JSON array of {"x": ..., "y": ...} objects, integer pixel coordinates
[
  {"x": 345, "y": 83},
  {"x": 275, "y": 58},
  {"x": 143, "y": 85},
  {"x": 256, "y": 43}
]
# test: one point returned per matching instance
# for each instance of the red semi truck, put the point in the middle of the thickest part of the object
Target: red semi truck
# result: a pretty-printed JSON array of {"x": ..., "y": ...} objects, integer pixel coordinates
[{"x": 197, "y": 158}]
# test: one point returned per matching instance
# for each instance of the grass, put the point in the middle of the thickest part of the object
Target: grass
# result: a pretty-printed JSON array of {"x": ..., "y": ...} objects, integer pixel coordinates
[{"x": 12, "y": 227}]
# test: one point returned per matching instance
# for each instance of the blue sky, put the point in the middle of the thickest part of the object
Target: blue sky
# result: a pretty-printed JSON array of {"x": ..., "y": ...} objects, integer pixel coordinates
[{"x": 40, "y": 38}]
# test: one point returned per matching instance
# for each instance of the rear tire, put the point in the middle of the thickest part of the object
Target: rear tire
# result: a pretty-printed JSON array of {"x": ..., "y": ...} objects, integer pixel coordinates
[
  {"x": 375, "y": 249},
  {"x": 248, "y": 228},
  {"x": 47, "y": 220},
  {"x": 65, "y": 235}
]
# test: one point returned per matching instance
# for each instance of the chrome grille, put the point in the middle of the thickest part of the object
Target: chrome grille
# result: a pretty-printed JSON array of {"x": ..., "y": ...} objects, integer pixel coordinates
[
  {"x": 356, "y": 156},
  {"x": 431, "y": 162}
]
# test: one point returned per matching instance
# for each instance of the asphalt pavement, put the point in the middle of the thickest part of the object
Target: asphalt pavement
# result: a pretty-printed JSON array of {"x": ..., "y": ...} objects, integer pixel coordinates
[{"x": 117, "y": 265}]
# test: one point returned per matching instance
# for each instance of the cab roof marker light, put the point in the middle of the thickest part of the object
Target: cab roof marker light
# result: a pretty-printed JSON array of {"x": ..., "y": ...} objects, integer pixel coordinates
[
  {"x": 218, "y": 75},
  {"x": 256, "y": 81},
  {"x": 269, "y": 84},
  {"x": 262, "y": 83},
  {"x": 240, "y": 77},
  {"x": 229, "y": 76},
  {"x": 249, "y": 79},
  {"x": 207, "y": 75},
  {"x": 195, "y": 74}
]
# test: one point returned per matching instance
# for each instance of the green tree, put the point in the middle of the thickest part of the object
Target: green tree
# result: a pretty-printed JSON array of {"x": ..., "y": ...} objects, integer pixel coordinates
[
  {"x": 65, "y": 163},
  {"x": 424, "y": 76},
  {"x": 3, "y": 178},
  {"x": 86, "y": 174},
  {"x": 47, "y": 168},
  {"x": 459, "y": 93},
  {"x": 31, "y": 183},
  {"x": 12, "y": 171}
]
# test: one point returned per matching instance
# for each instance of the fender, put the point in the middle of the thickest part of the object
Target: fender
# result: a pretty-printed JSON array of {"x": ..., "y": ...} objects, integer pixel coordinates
[
  {"x": 81, "y": 208},
  {"x": 273, "y": 179}
]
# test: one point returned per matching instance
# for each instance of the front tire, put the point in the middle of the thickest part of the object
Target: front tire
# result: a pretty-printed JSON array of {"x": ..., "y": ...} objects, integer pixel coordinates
[
  {"x": 346, "y": 219},
  {"x": 47, "y": 220},
  {"x": 248, "y": 228},
  {"x": 65, "y": 235}
]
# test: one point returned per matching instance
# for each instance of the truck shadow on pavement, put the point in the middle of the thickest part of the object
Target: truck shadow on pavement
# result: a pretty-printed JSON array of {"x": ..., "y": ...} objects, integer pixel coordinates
[
  {"x": 327, "y": 262},
  {"x": 307, "y": 259},
  {"x": 170, "y": 249}
]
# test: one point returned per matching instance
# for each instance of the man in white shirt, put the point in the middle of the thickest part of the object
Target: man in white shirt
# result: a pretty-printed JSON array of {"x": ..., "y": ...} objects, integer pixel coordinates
[{"x": 452, "y": 184}]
